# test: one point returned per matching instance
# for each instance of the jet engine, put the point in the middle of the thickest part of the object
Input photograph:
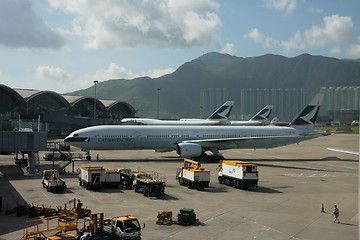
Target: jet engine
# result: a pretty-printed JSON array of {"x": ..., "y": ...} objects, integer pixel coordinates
[{"x": 188, "y": 150}]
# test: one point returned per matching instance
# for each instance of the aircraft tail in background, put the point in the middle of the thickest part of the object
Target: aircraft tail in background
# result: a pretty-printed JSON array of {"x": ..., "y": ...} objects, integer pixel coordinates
[
  {"x": 307, "y": 117},
  {"x": 263, "y": 114},
  {"x": 223, "y": 112}
]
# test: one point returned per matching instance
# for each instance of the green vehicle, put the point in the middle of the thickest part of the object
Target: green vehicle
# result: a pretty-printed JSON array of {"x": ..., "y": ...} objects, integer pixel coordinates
[{"x": 186, "y": 216}]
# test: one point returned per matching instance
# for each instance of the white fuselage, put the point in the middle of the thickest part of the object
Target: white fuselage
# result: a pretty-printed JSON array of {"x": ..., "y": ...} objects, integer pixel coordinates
[
  {"x": 120, "y": 137},
  {"x": 250, "y": 123},
  {"x": 150, "y": 121}
]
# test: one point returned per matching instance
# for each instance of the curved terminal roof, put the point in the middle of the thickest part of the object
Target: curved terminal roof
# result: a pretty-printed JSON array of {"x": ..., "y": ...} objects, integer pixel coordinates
[
  {"x": 27, "y": 95},
  {"x": 116, "y": 104},
  {"x": 14, "y": 95},
  {"x": 76, "y": 100},
  {"x": 30, "y": 94}
]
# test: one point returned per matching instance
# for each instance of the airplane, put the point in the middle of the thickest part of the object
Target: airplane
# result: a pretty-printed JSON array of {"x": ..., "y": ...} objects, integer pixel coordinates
[
  {"x": 219, "y": 117},
  {"x": 260, "y": 118},
  {"x": 194, "y": 141}
]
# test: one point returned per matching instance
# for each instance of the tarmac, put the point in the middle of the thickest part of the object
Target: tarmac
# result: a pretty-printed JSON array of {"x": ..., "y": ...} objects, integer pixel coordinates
[{"x": 298, "y": 187}]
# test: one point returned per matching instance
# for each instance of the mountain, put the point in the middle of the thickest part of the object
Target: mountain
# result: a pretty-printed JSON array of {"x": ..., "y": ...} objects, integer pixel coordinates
[{"x": 179, "y": 94}]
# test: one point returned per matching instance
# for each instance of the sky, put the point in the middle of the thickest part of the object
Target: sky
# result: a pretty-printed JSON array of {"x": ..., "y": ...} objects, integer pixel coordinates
[{"x": 66, "y": 45}]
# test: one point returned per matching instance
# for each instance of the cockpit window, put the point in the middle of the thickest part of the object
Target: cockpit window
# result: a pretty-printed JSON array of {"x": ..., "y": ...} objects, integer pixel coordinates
[{"x": 76, "y": 135}]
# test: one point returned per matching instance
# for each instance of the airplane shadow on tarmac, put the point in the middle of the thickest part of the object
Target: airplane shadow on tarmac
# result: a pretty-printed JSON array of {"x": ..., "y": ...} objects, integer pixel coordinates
[{"x": 137, "y": 160}]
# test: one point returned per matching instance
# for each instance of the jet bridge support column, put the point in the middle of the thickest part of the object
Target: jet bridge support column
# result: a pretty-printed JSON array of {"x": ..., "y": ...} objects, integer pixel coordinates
[{"x": 32, "y": 162}]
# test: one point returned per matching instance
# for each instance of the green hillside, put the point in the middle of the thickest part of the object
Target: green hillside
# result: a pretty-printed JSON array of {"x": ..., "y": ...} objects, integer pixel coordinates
[{"x": 180, "y": 91}]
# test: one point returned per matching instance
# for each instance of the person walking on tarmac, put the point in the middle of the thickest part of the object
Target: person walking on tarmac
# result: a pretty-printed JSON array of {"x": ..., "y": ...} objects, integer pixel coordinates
[{"x": 336, "y": 214}]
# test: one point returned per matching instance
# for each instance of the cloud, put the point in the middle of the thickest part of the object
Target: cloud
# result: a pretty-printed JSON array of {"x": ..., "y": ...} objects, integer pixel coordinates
[
  {"x": 353, "y": 50},
  {"x": 335, "y": 33},
  {"x": 228, "y": 48},
  {"x": 113, "y": 72},
  {"x": 284, "y": 5},
  {"x": 20, "y": 27},
  {"x": 119, "y": 24},
  {"x": 155, "y": 73},
  {"x": 258, "y": 37},
  {"x": 255, "y": 35},
  {"x": 50, "y": 73},
  {"x": 117, "y": 72}
]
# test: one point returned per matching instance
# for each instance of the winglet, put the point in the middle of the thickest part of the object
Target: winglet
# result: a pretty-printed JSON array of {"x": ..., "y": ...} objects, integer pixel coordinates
[
  {"x": 223, "y": 112},
  {"x": 307, "y": 117},
  {"x": 263, "y": 114}
]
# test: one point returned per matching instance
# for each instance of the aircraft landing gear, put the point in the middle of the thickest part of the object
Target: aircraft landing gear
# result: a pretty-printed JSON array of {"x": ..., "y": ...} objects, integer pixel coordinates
[{"x": 88, "y": 155}]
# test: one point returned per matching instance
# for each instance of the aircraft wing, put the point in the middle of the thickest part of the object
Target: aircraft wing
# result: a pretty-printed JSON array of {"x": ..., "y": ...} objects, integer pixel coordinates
[
  {"x": 224, "y": 143},
  {"x": 343, "y": 151}
]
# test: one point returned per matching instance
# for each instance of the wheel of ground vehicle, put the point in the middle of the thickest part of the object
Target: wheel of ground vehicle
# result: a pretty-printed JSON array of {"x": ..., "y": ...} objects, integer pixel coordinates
[
  {"x": 147, "y": 192},
  {"x": 88, "y": 157},
  {"x": 234, "y": 183},
  {"x": 220, "y": 180}
]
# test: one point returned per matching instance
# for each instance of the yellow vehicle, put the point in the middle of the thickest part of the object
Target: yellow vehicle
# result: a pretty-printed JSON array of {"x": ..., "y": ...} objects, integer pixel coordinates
[
  {"x": 164, "y": 217},
  {"x": 124, "y": 227},
  {"x": 52, "y": 182},
  {"x": 192, "y": 175}
]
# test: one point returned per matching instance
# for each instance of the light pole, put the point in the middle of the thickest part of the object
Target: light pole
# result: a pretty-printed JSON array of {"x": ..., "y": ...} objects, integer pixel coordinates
[
  {"x": 201, "y": 111},
  {"x": 158, "y": 102},
  {"x": 95, "y": 82}
]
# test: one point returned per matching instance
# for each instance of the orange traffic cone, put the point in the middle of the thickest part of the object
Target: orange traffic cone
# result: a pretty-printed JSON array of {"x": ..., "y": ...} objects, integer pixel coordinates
[{"x": 322, "y": 208}]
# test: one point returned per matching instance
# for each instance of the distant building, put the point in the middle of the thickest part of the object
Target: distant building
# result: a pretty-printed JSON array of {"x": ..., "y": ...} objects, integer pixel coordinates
[
  {"x": 287, "y": 102},
  {"x": 340, "y": 104}
]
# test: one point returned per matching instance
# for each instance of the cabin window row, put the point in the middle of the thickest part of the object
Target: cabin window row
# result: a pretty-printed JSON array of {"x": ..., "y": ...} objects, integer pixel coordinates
[
  {"x": 166, "y": 136},
  {"x": 114, "y": 136}
]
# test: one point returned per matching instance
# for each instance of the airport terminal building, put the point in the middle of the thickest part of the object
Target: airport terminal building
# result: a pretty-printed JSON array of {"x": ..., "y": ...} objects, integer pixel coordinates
[{"x": 55, "y": 113}]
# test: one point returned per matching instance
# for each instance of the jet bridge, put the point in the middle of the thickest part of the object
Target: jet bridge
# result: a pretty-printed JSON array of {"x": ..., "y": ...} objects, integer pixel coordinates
[{"x": 28, "y": 142}]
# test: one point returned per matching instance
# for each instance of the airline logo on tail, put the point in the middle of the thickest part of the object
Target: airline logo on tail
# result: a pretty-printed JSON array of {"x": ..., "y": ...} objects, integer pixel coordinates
[
  {"x": 223, "y": 112},
  {"x": 307, "y": 116},
  {"x": 264, "y": 113}
]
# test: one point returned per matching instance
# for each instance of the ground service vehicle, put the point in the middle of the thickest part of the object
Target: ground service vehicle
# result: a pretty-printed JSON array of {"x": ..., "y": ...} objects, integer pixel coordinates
[
  {"x": 98, "y": 177},
  {"x": 91, "y": 177},
  {"x": 126, "y": 177},
  {"x": 192, "y": 175},
  {"x": 151, "y": 185},
  {"x": 238, "y": 174},
  {"x": 123, "y": 227},
  {"x": 112, "y": 178},
  {"x": 164, "y": 217},
  {"x": 52, "y": 182},
  {"x": 186, "y": 216}
]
